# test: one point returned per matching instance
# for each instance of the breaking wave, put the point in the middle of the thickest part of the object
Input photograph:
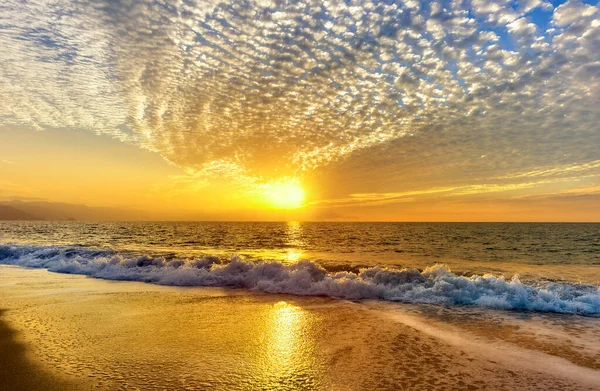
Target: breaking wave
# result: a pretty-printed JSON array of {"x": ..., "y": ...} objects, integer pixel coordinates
[{"x": 435, "y": 285}]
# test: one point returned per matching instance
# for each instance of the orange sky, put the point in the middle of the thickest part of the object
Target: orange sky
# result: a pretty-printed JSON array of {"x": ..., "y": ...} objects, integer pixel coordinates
[{"x": 84, "y": 168}]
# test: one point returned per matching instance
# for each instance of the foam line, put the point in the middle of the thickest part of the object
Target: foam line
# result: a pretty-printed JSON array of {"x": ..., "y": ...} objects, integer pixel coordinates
[{"x": 436, "y": 284}]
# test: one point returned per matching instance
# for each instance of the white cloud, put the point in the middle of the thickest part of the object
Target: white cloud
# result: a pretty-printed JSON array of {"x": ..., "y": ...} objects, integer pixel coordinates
[
  {"x": 572, "y": 11},
  {"x": 526, "y": 6},
  {"x": 277, "y": 88}
]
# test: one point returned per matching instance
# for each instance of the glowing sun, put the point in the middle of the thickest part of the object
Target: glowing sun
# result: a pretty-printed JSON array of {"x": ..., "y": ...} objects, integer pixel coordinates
[{"x": 286, "y": 194}]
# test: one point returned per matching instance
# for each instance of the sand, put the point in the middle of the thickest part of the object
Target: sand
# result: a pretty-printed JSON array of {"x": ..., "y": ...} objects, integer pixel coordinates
[
  {"x": 61, "y": 332},
  {"x": 17, "y": 372}
]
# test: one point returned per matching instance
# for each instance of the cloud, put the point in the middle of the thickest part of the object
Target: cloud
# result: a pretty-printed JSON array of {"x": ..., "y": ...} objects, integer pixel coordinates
[
  {"x": 562, "y": 171},
  {"x": 523, "y": 30},
  {"x": 258, "y": 90},
  {"x": 371, "y": 199},
  {"x": 496, "y": 12},
  {"x": 526, "y": 6},
  {"x": 573, "y": 11}
]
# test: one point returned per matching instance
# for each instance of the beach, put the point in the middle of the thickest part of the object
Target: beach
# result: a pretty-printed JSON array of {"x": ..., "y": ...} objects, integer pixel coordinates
[{"x": 64, "y": 331}]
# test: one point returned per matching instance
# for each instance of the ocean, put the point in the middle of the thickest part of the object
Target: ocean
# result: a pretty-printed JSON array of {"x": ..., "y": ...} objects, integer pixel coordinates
[{"x": 551, "y": 267}]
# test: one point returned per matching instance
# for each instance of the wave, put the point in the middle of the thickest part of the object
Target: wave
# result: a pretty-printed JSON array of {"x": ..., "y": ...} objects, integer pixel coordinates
[{"x": 434, "y": 285}]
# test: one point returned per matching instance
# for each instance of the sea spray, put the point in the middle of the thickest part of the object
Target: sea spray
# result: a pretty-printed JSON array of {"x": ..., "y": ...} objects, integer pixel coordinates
[{"x": 434, "y": 285}]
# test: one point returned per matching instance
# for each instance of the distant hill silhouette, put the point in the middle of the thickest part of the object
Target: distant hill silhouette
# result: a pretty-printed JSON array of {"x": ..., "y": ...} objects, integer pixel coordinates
[
  {"x": 44, "y": 210},
  {"x": 10, "y": 213}
]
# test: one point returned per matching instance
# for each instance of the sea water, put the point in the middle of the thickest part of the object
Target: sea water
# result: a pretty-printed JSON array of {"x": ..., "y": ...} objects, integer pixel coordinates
[{"x": 549, "y": 267}]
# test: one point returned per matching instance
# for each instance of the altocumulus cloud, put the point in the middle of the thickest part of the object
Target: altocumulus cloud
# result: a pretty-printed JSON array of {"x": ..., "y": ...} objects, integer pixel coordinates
[{"x": 261, "y": 86}]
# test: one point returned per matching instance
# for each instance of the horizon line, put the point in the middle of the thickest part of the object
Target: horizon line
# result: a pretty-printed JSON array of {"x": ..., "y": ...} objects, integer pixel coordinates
[{"x": 303, "y": 221}]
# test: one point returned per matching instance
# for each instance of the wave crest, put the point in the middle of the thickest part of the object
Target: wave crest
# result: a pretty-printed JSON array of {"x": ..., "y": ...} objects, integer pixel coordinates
[{"x": 435, "y": 285}]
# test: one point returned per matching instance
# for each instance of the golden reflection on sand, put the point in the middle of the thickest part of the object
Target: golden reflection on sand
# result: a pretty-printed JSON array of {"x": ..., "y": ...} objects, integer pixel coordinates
[
  {"x": 284, "y": 330},
  {"x": 288, "y": 355}
]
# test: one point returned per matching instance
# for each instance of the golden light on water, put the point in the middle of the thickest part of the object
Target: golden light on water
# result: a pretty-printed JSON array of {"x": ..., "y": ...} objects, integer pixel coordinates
[
  {"x": 285, "y": 194},
  {"x": 294, "y": 239},
  {"x": 294, "y": 255}
]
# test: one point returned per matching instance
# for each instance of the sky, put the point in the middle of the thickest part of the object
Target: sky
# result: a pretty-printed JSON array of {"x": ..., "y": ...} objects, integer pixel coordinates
[{"x": 311, "y": 110}]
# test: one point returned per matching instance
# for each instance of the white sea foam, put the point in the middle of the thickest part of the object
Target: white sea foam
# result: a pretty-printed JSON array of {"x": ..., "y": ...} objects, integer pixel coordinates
[{"x": 435, "y": 284}]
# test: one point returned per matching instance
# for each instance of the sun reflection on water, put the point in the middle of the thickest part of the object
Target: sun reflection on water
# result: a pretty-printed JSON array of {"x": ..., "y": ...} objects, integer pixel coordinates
[
  {"x": 294, "y": 255},
  {"x": 294, "y": 233},
  {"x": 294, "y": 240}
]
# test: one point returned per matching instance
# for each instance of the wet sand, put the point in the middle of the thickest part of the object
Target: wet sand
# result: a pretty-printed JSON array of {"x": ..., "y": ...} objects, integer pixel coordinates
[
  {"x": 18, "y": 372},
  {"x": 61, "y": 332}
]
